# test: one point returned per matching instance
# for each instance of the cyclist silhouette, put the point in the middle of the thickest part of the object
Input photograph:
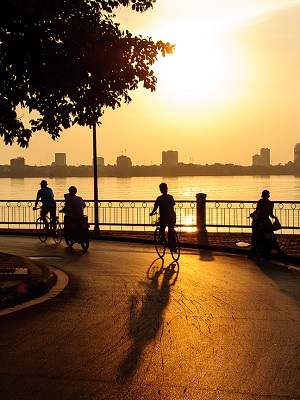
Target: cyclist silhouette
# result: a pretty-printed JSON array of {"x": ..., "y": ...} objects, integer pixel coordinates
[
  {"x": 165, "y": 203},
  {"x": 46, "y": 196}
]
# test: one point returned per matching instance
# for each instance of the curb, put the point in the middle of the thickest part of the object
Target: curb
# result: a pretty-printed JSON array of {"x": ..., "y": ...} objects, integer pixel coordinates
[{"x": 30, "y": 288}]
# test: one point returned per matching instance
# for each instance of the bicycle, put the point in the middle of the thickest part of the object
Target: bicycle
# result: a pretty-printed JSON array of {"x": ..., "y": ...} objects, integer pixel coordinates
[
  {"x": 77, "y": 233},
  {"x": 161, "y": 242},
  {"x": 43, "y": 233}
]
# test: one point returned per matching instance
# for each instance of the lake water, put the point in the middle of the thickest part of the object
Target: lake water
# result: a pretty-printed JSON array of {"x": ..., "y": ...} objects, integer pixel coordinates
[{"x": 146, "y": 188}]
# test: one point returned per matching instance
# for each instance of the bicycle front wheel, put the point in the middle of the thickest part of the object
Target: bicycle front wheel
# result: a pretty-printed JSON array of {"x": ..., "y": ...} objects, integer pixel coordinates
[
  {"x": 176, "y": 254},
  {"x": 41, "y": 230},
  {"x": 57, "y": 233},
  {"x": 159, "y": 243}
]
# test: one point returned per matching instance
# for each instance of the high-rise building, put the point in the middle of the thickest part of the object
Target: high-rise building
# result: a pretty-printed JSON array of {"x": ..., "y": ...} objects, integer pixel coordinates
[
  {"x": 297, "y": 154},
  {"x": 265, "y": 157},
  {"x": 17, "y": 167},
  {"x": 124, "y": 162},
  {"x": 256, "y": 159},
  {"x": 169, "y": 158},
  {"x": 60, "y": 159},
  {"x": 262, "y": 159},
  {"x": 100, "y": 162}
]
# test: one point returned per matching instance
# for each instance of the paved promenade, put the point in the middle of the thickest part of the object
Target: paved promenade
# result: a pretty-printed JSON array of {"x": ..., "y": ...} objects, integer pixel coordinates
[
  {"x": 22, "y": 279},
  {"x": 228, "y": 242},
  {"x": 123, "y": 324}
]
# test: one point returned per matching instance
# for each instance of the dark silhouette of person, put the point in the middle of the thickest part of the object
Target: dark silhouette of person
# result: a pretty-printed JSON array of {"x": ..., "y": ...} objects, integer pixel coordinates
[
  {"x": 74, "y": 206},
  {"x": 167, "y": 216},
  {"x": 46, "y": 196},
  {"x": 262, "y": 224}
]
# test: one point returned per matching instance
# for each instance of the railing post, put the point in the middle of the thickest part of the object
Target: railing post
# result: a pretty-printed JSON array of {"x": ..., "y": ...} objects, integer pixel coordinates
[{"x": 201, "y": 212}]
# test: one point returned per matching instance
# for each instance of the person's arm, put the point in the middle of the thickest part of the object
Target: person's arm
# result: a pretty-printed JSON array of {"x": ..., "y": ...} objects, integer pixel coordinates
[
  {"x": 154, "y": 208},
  {"x": 271, "y": 210},
  {"x": 173, "y": 201},
  {"x": 37, "y": 200}
]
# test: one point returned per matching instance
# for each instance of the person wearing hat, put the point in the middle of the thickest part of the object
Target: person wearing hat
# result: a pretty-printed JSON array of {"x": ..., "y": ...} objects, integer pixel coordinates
[{"x": 46, "y": 196}]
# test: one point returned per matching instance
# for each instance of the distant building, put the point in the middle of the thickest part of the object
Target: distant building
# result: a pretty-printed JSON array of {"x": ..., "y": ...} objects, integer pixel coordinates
[
  {"x": 297, "y": 154},
  {"x": 256, "y": 159},
  {"x": 169, "y": 158},
  {"x": 60, "y": 159},
  {"x": 263, "y": 159},
  {"x": 17, "y": 167},
  {"x": 124, "y": 162},
  {"x": 100, "y": 162}
]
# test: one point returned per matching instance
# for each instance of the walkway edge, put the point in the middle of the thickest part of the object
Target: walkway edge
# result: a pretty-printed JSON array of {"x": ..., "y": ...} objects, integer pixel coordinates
[{"x": 30, "y": 288}]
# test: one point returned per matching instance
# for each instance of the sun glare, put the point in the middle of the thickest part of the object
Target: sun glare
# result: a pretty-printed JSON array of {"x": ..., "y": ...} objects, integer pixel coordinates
[{"x": 205, "y": 68}]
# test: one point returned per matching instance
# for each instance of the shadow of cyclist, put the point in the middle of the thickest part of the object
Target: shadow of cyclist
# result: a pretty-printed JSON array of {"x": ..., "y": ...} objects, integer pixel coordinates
[{"x": 146, "y": 315}]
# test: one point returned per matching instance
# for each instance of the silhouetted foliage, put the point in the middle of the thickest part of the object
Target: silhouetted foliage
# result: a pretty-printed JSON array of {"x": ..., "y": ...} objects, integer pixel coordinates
[{"x": 69, "y": 61}]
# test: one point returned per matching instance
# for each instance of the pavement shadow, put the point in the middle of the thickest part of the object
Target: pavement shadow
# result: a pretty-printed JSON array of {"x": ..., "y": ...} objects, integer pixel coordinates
[
  {"x": 146, "y": 315},
  {"x": 72, "y": 254},
  {"x": 204, "y": 252},
  {"x": 287, "y": 279},
  {"x": 163, "y": 275}
]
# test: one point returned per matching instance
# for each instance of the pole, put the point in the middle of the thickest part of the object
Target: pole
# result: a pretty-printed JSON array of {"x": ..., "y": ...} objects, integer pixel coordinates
[
  {"x": 96, "y": 227},
  {"x": 201, "y": 213}
]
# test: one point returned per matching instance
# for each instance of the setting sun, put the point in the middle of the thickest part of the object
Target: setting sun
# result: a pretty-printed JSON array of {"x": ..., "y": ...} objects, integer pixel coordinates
[
  {"x": 205, "y": 68},
  {"x": 232, "y": 79}
]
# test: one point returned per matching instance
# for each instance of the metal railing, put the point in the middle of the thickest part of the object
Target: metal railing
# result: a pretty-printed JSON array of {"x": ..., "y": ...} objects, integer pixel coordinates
[
  {"x": 232, "y": 215},
  {"x": 212, "y": 215},
  {"x": 113, "y": 214}
]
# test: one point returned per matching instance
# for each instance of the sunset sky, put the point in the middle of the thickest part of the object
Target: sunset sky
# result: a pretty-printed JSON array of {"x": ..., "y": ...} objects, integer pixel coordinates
[{"x": 231, "y": 87}]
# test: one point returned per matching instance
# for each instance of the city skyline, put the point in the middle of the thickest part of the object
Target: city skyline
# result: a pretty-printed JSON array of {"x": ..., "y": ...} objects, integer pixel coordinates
[
  {"x": 168, "y": 158},
  {"x": 230, "y": 88}
]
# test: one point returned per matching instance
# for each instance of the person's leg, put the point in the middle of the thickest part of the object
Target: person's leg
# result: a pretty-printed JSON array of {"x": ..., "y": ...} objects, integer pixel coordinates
[
  {"x": 44, "y": 212},
  {"x": 171, "y": 235},
  {"x": 162, "y": 228},
  {"x": 52, "y": 211}
]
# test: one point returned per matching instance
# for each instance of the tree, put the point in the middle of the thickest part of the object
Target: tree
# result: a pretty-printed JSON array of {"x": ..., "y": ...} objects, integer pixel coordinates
[{"x": 68, "y": 61}]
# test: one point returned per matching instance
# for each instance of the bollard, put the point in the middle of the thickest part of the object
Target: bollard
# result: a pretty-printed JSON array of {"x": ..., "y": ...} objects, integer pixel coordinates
[{"x": 201, "y": 213}]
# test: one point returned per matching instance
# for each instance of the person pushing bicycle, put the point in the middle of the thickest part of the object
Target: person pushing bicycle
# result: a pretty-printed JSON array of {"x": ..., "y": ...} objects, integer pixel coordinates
[
  {"x": 165, "y": 203},
  {"x": 73, "y": 209},
  {"x": 46, "y": 196}
]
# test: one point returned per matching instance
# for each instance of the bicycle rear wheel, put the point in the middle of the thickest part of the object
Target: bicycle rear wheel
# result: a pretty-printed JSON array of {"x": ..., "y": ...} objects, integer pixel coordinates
[
  {"x": 85, "y": 245},
  {"x": 41, "y": 230},
  {"x": 69, "y": 241},
  {"x": 159, "y": 243},
  {"x": 176, "y": 254},
  {"x": 57, "y": 233}
]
